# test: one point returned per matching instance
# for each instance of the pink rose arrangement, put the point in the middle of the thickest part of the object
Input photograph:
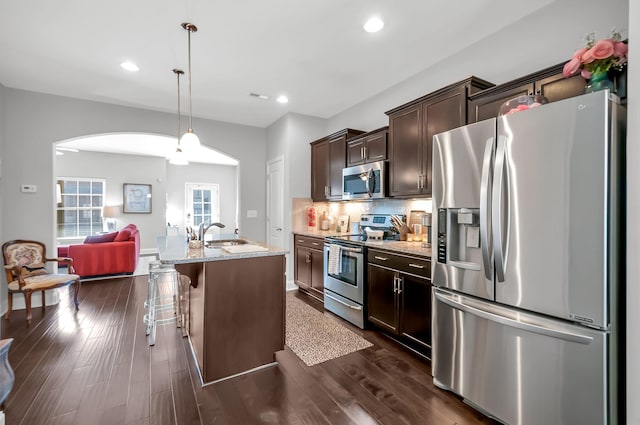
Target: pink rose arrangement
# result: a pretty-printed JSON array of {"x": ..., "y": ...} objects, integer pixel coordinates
[{"x": 597, "y": 56}]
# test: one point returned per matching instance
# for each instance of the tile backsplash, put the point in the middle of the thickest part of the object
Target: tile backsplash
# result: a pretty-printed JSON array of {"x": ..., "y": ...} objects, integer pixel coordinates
[{"x": 353, "y": 209}]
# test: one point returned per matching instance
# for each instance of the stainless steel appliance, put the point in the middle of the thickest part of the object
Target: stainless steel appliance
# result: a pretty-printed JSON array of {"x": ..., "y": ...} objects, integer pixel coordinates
[
  {"x": 526, "y": 267},
  {"x": 366, "y": 181},
  {"x": 344, "y": 283}
]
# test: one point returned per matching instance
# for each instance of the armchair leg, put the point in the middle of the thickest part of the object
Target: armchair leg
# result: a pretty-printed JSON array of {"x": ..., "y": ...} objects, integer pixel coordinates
[
  {"x": 43, "y": 303},
  {"x": 76, "y": 289},
  {"x": 27, "y": 299},
  {"x": 9, "y": 306}
]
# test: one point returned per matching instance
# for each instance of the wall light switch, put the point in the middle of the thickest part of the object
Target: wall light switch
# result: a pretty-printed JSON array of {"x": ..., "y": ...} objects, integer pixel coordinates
[
  {"x": 28, "y": 188},
  {"x": 252, "y": 213}
]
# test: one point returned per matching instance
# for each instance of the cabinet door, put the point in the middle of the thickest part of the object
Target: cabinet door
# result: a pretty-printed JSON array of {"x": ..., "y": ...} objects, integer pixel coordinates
[
  {"x": 440, "y": 114},
  {"x": 317, "y": 271},
  {"x": 320, "y": 171},
  {"x": 405, "y": 151},
  {"x": 355, "y": 152},
  {"x": 382, "y": 302},
  {"x": 485, "y": 107},
  {"x": 302, "y": 270},
  {"x": 376, "y": 147},
  {"x": 415, "y": 310},
  {"x": 557, "y": 87},
  {"x": 337, "y": 161}
]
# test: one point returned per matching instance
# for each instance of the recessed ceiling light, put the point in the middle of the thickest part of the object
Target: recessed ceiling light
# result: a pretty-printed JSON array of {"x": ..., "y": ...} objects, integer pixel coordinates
[
  {"x": 374, "y": 24},
  {"x": 282, "y": 99},
  {"x": 61, "y": 148},
  {"x": 59, "y": 153},
  {"x": 130, "y": 66}
]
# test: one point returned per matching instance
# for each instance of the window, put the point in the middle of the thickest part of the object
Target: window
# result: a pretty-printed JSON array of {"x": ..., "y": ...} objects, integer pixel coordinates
[
  {"x": 203, "y": 203},
  {"x": 79, "y": 211}
]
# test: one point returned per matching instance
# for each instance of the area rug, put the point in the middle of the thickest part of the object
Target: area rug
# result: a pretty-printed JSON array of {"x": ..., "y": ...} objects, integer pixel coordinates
[{"x": 316, "y": 338}]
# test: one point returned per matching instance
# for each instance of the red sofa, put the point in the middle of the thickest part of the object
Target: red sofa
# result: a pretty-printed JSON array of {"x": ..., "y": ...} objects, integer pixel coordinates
[{"x": 107, "y": 254}]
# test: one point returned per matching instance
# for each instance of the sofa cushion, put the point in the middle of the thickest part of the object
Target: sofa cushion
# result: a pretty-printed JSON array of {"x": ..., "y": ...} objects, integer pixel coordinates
[
  {"x": 107, "y": 237},
  {"x": 123, "y": 235}
]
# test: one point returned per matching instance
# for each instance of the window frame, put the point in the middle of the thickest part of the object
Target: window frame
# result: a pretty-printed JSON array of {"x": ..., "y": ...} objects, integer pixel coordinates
[{"x": 94, "y": 226}]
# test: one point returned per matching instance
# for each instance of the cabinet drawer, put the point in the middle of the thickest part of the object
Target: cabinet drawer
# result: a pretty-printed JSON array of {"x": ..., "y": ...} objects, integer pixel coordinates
[
  {"x": 407, "y": 264},
  {"x": 309, "y": 242}
]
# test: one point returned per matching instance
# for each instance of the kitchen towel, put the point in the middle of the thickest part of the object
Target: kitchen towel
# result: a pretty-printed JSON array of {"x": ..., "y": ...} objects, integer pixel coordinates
[{"x": 334, "y": 266}]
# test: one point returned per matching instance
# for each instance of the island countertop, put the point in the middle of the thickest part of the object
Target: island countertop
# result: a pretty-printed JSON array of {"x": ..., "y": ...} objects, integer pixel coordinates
[{"x": 175, "y": 250}]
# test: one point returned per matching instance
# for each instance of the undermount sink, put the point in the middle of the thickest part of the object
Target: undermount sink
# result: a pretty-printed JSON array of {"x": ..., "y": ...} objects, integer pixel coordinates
[{"x": 224, "y": 242}]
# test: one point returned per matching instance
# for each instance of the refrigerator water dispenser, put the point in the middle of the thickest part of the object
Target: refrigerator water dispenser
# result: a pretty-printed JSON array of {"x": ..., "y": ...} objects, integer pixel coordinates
[{"x": 459, "y": 237}]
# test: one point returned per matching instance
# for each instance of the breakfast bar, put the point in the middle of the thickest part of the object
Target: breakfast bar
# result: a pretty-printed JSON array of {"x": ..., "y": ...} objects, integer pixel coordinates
[{"x": 235, "y": 304}]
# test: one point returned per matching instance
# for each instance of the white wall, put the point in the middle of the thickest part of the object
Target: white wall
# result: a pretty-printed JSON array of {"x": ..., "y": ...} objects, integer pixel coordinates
[
  {"x": 633, "y": 226},
  {"x": 116, "y": 170},
  {"x": 224, "y": 175}
]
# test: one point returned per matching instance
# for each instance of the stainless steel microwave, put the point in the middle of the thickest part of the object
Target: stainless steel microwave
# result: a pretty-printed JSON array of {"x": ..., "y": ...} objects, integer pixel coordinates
[{"x": 366, "y": 181}]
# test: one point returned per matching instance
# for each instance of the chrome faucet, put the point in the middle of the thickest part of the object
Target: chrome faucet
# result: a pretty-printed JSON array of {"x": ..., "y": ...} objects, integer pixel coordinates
[{"x": 202, "y": 230}]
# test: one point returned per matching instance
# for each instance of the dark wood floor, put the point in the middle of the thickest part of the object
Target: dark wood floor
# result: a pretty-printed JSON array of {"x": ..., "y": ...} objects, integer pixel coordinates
[{"x": 95, "y": 367}]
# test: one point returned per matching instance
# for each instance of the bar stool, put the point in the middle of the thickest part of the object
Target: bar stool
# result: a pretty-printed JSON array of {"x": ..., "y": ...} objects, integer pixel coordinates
[{"x": 162, "y": 299}]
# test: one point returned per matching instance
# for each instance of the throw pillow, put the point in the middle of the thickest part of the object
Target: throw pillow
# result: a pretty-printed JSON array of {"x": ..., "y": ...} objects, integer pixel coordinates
[
  {"x": 107, "y": 237},
  {"x": 123, "y": 235}
]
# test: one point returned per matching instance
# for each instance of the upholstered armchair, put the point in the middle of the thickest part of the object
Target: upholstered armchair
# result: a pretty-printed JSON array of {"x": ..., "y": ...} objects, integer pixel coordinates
[{"x": 26, "y": 272}]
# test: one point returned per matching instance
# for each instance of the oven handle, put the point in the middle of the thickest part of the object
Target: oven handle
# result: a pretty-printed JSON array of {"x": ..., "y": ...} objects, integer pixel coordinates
[
  {"x": 346, "y": 248},
  {"x": 353, "y": 307}
]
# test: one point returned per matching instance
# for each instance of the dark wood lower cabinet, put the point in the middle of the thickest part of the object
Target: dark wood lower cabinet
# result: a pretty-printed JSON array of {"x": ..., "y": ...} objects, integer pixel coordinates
[
  {"x": 309, "y": 264},
  {"x": 399, "y": 297},
  {"x": 383, "y": 302}
]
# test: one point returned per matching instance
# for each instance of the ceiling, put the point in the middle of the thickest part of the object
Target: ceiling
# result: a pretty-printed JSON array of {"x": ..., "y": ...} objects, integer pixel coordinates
[
  {"x": 144, "y": 145},
  {"x": 314, "y": 52}
]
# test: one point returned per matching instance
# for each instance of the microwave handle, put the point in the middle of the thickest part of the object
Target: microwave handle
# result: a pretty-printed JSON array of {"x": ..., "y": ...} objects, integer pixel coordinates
[{"x": 369, "y": 177}]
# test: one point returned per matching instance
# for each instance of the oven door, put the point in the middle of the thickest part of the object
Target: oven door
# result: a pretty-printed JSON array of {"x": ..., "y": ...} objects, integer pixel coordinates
[{"x": 350, "y": 281}]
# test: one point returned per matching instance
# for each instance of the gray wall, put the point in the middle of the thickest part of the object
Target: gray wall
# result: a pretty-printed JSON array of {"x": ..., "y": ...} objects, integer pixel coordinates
[
  {"x": 544, "y": 38},
  {"x": 224, "y": 175},
  {"x": 116, "y": 170},
  {"x": 35, "y": 121},
  {"x": 289, "y": 137}
]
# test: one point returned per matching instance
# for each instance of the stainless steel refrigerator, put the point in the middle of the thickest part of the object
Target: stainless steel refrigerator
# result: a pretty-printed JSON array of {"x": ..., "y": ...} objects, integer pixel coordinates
[{"x": 526, "y": 265}]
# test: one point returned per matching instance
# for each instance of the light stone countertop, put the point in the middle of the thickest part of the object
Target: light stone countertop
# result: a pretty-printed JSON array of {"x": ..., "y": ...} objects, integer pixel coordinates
[
  {"x": 403, "y": 247},
  {"x": 175, "y": 250}
]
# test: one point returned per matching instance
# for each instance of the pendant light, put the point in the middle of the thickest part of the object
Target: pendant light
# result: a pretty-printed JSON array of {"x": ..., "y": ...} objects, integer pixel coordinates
[
  {"x": 178, "y": 157},
  {"x": 189, "y": 139}
]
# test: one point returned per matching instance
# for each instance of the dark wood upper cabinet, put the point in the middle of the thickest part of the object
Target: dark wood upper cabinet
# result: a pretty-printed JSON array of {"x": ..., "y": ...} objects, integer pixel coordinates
[
  {"x": 368, "y": 147},
  {"x": 411, "y": 130},
  {"x": 328, "y": 158},
  {"x": 548, "y": 82}
]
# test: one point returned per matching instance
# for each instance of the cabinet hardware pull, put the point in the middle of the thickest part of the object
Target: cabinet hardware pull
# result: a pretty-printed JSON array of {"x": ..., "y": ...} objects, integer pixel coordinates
[
  {"x": 380, "y": 258},
  {"x": 361, "y": 152},
  {"x": 301, "y": 240},
  {"x": 400, "y": 284},
  {"x": 308, "y": 258},
  {"x": 364, "y": 150},
  {"x": 326, "y": 191},
  {"x": 417, "y": 266},
  {"x": 418, "y": 181},
  {"x": 315, "y": 243},
  {"x": 395, "y": 284}
]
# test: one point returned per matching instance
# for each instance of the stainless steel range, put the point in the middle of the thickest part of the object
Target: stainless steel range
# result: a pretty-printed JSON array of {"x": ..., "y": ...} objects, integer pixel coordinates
[{"x": 345, "y": 270}]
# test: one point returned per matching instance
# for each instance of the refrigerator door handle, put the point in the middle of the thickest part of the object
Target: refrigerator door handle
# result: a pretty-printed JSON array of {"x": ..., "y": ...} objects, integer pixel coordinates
[
  {"x": 528, "y": 327},
  {"x": 496, "y": 209},
  {"x": 485, "y": 217}
]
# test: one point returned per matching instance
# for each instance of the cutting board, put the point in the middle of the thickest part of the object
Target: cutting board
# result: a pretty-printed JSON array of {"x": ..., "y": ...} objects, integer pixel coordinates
[{"x": 240, "y": 249}]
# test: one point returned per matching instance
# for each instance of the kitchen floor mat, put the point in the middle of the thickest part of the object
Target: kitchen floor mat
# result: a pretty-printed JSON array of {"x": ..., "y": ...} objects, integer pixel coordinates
[{"x": 316, "y": 338}]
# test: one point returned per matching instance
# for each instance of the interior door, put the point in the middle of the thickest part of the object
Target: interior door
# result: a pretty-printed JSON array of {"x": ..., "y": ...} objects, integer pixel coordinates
[
  {"x": 275, "y": 200},
  {"x": 550, "y": 204}
]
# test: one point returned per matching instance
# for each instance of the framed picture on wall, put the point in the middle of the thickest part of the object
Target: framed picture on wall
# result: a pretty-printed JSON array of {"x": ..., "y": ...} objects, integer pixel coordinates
[{"x": 136, "y": 198}]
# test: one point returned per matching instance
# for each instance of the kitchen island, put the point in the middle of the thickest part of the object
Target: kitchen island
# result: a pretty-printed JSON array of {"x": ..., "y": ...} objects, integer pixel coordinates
[{"x": 236, "y": 319}]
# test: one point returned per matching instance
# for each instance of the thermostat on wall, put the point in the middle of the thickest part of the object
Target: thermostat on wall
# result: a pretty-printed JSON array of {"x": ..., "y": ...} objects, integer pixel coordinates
[{"x": 28, "y": 188}]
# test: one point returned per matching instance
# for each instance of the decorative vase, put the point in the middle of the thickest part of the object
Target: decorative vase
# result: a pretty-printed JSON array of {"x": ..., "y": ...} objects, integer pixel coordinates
[{"x": 599, "y": 81}]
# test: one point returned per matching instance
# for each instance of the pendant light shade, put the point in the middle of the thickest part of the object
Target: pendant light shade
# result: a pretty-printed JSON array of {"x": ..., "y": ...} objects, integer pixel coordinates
[
  {"x": 189, "y": 140},
  {"x": 178, "y": 157}
]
